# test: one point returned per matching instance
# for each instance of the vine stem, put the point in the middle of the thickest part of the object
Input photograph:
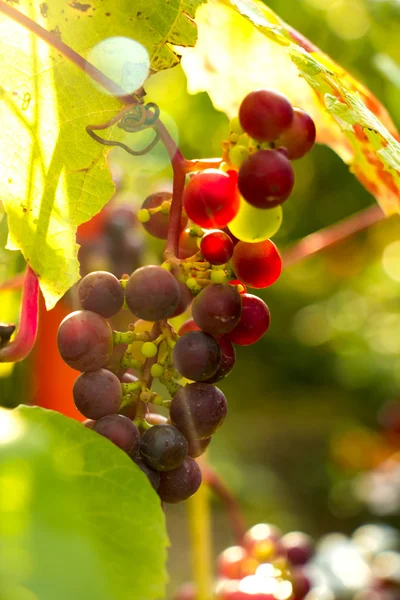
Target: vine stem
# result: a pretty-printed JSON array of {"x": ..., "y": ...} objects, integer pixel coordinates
[
  {"x": 141, "y": 407},
  {"x": 315, "y": 242},
  {"x": 24, "y": 340},
  {"x": 198, "y": 512},
  {"x": 221, "y": 490}
]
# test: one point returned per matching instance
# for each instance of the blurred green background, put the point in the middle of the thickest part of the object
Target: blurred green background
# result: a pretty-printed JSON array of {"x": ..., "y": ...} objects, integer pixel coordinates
[{"x": 331, "y": 358}]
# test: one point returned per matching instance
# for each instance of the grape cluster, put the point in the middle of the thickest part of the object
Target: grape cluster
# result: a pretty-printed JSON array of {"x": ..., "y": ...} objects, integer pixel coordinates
[
  {"x": 222, "y": 249},
  {"x": 266, "y": 566}
]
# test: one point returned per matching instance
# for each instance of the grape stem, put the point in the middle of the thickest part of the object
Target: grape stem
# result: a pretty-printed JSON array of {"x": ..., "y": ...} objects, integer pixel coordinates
[
  {"x": 220, "y": 489},
  {"x": 24, "y": 340},
  {"x": 147, "y": 379},
  {"x": 319, "y": 240}
]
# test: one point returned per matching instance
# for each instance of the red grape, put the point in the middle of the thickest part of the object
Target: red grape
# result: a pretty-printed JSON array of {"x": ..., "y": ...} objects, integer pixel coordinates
[
  {"x": 254, "y": 321},
  {"x": 187, "y": 244},
  {"x": 120, "y": 430},
  {"x": 85, "y": 340},
  {"x": 266, "y": 179},
  {"x": 257, "y": 265},
  {"x": 299, "y": 138},
  {"x": 102, "y": 293},
  {"x": 216, "y": 247},
  {"x": 152, "y": 293},
  {"x": 265, "y": 114},
  {"x": 211, "y": 198},
  {"x": 97, "y": 393},
  {"x": 189, "y": 325},
  {"x": 158, "y": 224},
  {"x": 230, "y": 561}
]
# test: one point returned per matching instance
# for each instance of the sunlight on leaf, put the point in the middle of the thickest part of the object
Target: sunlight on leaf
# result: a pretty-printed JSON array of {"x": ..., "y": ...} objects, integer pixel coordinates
[
  {"x": 243, "y": 45},
  {"x": 53, "y": 177}
]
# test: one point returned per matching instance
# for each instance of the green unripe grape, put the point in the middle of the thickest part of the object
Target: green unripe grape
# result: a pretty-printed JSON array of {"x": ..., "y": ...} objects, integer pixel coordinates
[
  {"x": 157, "y": 370},
  {"x": 235, "y": 126},
  {"x": 234, "y": 137},
  {"x": 143, "y": 215},
  {"x": 193, "y": 286},
  {"x": 238, "y": 154},
  {"x": 218, "y": 276},
  {"x": 149, "y": 349},
  {"x": 253, "y": 224}
]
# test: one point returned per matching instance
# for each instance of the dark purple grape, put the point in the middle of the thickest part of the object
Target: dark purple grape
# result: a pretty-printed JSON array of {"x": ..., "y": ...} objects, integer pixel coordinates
[
  {"x": 217, "y": 308},
  {"x": 198, "y": 409},
  {"x": 299, "y": 138},
  {"x": 197, "y": 355},
  {"x": 185, "y": 298},
  {"x": 85, "y": 340},
  {"x": 97, "y": 393},
  {"x": 181, "y": 483},
  {"x": 299, "y": 547},
  {"x": 152, "y": 475},
  {"x": 158, "y": 225},
  {"x": 163, "y": 447},
  {"x": 198, "y": 447},
  {"x": 121, "y": 431},
  {"x": 300, "y": 582},
  {"x": 152, "y": 293},
  {"x": 228, "y": 357},
  {"x": 266, "y": 179},
  {"x": 265, "y": 114},
  {"x": 101, "y": 292}
]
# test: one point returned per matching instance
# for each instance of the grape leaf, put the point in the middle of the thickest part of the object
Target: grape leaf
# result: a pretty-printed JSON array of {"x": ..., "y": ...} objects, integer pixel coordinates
[
  {"x": 243, "y": 45},
  {"x": 53, "y": 176},
  {"x": 78, "y": 519}
]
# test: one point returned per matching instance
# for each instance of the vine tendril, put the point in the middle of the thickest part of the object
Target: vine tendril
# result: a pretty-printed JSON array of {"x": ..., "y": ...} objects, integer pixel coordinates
[{"x": 131, "y": 119}]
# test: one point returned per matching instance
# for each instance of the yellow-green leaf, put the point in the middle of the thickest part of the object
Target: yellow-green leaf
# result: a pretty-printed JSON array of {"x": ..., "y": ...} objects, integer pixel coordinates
[
  {"x": 53, "y": 176},
  {"x": 243, "y": 45}
]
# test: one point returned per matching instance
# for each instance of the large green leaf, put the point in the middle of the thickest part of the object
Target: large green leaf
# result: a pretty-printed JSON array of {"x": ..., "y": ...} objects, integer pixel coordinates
[
  {"x": 78, "y": 520},
  {"x": 53, "y": 176}
]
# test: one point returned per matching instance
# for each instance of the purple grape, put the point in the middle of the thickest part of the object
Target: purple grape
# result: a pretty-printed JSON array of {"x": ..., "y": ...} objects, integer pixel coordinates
[
  {"x": 85, "y": 340},
  {"x": 152, "y": 475},
  {"x": 197, "y": 355},
  {"x": 97, "y": 393},
  {"x": 198, "y": 410},
  {"x": 158, "y": 225},
  {"x": 181, "y": 483},
  {"x": 228, "y": 358},
  {"x": 163, "y": 447},
  {"x": 198, "y": 447},
  {"x": 299, "y": 138},
  {"x": 217, "y": 308},
  {"x": 120, "y": 430},
  {"x": 101, "y": 292},
  {"x": 152, "y": 293}
]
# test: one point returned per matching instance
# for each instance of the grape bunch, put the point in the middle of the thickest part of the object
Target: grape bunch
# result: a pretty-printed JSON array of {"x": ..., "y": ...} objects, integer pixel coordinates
[
  {"x": 223, "y": 249},
  {"x": 266, "y": 566}
]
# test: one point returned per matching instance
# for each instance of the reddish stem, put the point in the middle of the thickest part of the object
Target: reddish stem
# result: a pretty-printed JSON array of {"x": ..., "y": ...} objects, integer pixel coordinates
[
  {"x": 319, "y": 240},
  {"x": 213, "y": 480},
  {"x": 24, "y": 340},
  {"x": 68, "y": 52}
]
